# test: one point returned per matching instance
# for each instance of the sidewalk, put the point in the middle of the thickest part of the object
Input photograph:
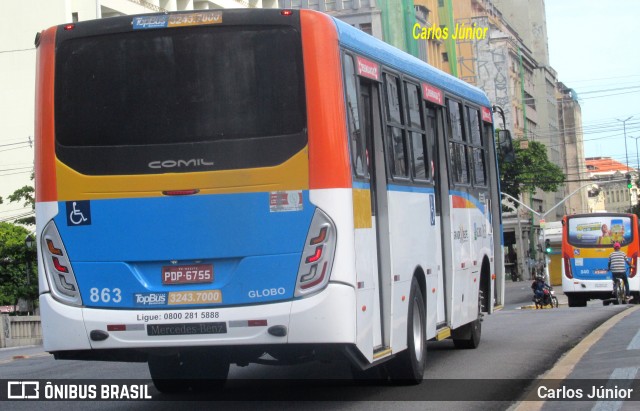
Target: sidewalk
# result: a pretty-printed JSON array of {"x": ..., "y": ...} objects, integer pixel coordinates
[{"x": 608, "y": 357}]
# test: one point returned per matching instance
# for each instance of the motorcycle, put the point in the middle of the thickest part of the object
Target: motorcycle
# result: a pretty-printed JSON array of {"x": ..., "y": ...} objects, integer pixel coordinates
[{"x": 547, "y": 298}]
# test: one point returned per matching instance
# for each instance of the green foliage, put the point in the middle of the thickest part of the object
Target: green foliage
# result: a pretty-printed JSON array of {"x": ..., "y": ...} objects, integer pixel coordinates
[
  {"x": 15, "y": 260},
  {"x": 25, "y": 194},
  {"x": 530, "y": 170}
]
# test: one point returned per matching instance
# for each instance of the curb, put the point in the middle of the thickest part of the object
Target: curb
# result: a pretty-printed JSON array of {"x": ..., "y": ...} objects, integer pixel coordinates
[{"x": 568, "y": 361}]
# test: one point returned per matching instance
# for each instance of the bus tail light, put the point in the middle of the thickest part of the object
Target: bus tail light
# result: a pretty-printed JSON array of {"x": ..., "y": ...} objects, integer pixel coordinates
[
  {"x": 317, "y": 256},
  {"x": 57, "y": 267},
  {"x": 634, "y": 263},
  {"x": 567, "y": 266}
]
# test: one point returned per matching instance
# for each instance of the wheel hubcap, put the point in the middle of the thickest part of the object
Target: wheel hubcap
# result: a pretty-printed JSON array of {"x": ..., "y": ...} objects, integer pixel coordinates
[{"x": 418, "y": 340}]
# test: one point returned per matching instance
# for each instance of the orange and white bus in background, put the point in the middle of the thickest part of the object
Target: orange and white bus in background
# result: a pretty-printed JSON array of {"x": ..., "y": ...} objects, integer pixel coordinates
[
  {"x": 215, "y": 186},
  {"x": 587, "y": 242}
]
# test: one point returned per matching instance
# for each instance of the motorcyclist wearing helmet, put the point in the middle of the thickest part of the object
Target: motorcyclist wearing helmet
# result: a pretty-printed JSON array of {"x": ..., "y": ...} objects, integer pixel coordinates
[{"x": 538, "y": 286}]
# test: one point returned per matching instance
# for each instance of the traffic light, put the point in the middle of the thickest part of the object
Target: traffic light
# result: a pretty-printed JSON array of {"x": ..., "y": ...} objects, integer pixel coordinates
[
  {"x": 628, "y": 176},
  {"x": 547, "y": 247}
]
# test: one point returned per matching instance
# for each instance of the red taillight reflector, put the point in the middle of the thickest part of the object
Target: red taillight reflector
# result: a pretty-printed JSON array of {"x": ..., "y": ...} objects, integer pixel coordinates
[
  {"x": 318, "y": 281},
  {"x": 181, "y": 192},
  {"x": 116, "y": 327},
  {"x": 52, "y": 248},
  {"x": 257, "y": 323},
  {"x": 286, "y": 12},
  {"x": 567, "y": 266},
  {"x": 59, "y": 266},
  {"x": 320, "y": 238},
  {"x": 315, "y": 257},
  {"x": 69, "y": 27},
  {"x": 634, "y": 262}
]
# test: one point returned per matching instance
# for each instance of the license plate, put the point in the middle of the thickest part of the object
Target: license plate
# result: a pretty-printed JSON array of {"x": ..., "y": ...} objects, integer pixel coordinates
[
  {"x": 601, "y": 285},
  {"x": 600, "y": 271},
  {"x": 187, "y": 274},
  {"x": 195, "y": 297},
  {"x": 186, "y": 329}
]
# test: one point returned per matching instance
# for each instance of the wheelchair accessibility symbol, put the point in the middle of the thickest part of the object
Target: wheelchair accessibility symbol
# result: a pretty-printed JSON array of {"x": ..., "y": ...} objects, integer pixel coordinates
[{"x": 78, "y": 213}]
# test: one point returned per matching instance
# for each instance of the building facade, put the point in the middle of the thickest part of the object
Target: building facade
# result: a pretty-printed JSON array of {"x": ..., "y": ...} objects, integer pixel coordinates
[
  {"x": 612, "y": 193},
  {"x": 572, "y": 146}
]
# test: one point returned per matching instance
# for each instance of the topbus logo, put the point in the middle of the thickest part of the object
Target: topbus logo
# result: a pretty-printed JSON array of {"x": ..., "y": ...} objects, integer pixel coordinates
[{"x": 194, "y": 162}]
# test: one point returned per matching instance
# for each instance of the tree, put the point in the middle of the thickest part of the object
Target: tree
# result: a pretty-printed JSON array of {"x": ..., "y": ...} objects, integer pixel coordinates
[
  {"x": 15, "y": 261},
  {"x": 27, "y": 195},
  {"x": 530, "y": 170}
]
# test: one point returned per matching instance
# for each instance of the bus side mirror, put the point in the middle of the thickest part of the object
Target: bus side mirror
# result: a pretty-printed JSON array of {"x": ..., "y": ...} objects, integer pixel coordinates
[{"x": 505, "y": 146}]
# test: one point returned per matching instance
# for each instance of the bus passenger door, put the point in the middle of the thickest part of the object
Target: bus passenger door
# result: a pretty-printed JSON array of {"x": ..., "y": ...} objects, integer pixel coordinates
[{"x": 372, "y": 117}]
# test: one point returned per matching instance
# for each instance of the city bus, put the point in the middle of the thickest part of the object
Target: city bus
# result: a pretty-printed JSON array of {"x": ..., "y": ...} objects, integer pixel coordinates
[
  {"x": 236, "y": 186},
  {"x": 587, "y": 242}
]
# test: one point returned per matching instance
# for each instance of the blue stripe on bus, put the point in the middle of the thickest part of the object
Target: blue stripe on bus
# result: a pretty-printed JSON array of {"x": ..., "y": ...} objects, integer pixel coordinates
[
  {"x": 410, "y": 189},
  {"x": 128, "y": 242},
  {"x": 361, "y": 186}
]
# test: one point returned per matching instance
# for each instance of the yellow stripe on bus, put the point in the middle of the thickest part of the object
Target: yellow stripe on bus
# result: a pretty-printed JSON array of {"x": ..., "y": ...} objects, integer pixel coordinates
[
  {"x": 293, "y": 174},
  {"x": 362, "y": 208}
]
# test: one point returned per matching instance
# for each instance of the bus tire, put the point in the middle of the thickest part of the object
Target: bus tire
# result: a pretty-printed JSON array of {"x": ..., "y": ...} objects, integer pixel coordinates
[
  {"x": 576, "y": 301},
  {"x": 468, "y": 336},
  {"x": 186, "y": 371},
  {"x": 408, "y": 367}
]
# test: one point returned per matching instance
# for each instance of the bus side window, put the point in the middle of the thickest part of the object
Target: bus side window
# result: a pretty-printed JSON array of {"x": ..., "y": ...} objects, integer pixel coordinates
[
  {"x": 477, "y": 148},
  {"x": 356, "y": 132},
  {"x": 395, "y": 136},
  {"x": 420, "y": 164},
  {"x": 457, "y": 148}
]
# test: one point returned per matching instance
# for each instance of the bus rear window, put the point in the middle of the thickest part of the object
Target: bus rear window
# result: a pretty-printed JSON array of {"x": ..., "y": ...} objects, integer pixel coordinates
[
  {"x": 596, "y": 231},
  {"x": 195, "y": 85}
]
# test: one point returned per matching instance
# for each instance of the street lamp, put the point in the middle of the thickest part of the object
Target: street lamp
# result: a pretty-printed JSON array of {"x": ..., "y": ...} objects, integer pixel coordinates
[
  {"x": 624, "y": 127},
  {"x": 29, "y": 242},
  {"x": 637, "y": 158}
]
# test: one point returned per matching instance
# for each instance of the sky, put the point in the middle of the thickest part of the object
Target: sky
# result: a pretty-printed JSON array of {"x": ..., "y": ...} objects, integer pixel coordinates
[{"x": 593, "y": 46}]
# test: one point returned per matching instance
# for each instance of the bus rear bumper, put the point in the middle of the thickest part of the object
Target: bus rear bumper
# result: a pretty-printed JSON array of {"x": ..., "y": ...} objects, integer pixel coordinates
[
  {"x": 587, "y": 286},
  {"x": 324, "y": 318}
]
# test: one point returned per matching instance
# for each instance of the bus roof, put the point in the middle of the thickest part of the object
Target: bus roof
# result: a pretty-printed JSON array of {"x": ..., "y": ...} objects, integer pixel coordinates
[{"x": 371, "y": 47}]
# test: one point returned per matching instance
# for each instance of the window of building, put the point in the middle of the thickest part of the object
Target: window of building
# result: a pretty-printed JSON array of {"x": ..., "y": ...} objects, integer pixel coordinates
[{"x": 366, "y": 27}]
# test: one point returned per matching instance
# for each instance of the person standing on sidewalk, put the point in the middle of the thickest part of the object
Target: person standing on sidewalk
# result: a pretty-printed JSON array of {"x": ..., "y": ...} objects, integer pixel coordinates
[{"x": 618, "y": 262}]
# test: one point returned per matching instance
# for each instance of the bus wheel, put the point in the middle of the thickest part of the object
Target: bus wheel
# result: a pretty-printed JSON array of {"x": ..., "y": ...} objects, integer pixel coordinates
[
  {"x": 408, "y": 367},
  {"x": 576, "y": 301},
  {"x": 468, "y": 336},
  {"x": 187, "y": 371}
]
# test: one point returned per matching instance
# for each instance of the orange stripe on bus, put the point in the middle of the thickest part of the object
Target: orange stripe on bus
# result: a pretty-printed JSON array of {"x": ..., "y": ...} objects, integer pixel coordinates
[
  {"x": 329, "y": 165},
  {"x": 460, "y": 202},
  {"x": 44, "y": 123}
]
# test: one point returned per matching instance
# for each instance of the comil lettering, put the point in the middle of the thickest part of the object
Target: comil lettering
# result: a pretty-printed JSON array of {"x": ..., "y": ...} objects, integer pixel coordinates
[{"x": 194, "y": 162}]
